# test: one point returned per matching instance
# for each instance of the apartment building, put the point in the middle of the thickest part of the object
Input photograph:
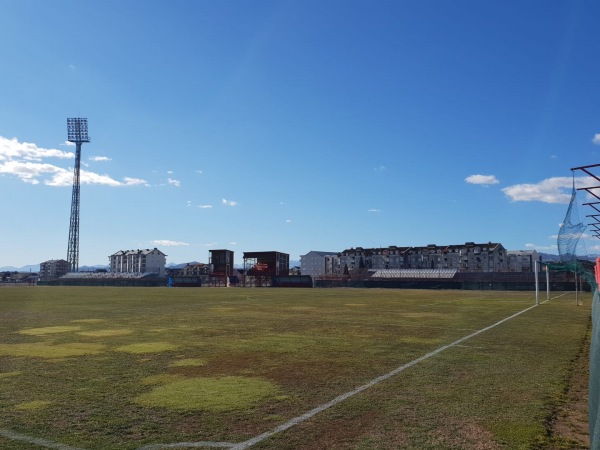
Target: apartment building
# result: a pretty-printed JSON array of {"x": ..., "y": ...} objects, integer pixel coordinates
[
  {"x": 53, "y": 269},
  {"x": 314, "y": 263},
  {"x": 138, "y": 261},
  {"x": 468, "y": 257},
  {"x": 523, "y": 260},
  {"x": 472, "y": 257},
  {"x": 196, "y": 269}
]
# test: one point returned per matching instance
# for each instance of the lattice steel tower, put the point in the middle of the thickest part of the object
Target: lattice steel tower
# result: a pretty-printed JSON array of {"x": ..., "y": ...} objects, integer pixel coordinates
[{"x": 77, "y": 129}]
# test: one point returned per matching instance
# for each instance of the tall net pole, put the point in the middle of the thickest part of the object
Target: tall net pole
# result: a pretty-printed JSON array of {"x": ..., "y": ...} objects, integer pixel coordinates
[
  {"x": 77, "y": 130},
  {"x": 593, "y": 278}
]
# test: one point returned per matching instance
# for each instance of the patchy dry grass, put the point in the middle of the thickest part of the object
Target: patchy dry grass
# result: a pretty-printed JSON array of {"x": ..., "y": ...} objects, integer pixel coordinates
[
  {"x": 112, "y": 368},
  {"x": 189, "y": 362},
  {"x": 88, "y": 321},
  {"x": 10, "y": 374},
  {"x": 146, "y": 347},
  {"x": 210, "y": 394},
  {"x": 106, "y": 333},
  {"x": 33, "y": 405},
  {"x": 50, "y": 350},
  {"x": 49, "y": 330}
]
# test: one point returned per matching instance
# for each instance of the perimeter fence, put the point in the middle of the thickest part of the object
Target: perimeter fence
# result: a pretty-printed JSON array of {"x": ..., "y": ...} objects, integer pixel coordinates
[
  {"x": 568, "y": 238},
  {"x": 594, "y": 388}
]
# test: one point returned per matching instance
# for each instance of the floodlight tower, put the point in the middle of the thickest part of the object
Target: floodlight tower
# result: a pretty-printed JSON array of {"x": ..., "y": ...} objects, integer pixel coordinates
[{"x": 77, "y": 129}]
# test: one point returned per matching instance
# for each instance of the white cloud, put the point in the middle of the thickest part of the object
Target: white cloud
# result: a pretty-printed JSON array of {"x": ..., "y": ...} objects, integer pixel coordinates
[
  {"x": 25, "y": 161},
  {"x": 100, "y": 158},
  {"x": 168, "y": 243},
  {"x": 373, "y": 210},
  {"x": 65, "y": 178},
  {"x": 542, "y": 248},
  {"x": 68, "y": 144},
  {"x": 484, "y": 180},
  {"x": 380, "y": 168},
  {"x": 173, "y": 182},
  {"x": 199, "y": 171},
  {"x": 29, "y": 172},
  {"x": 596, "y": 139},
  {"x": 128, "y": 181},
  {"x": 96, "y": 178},
  {"x": 233, "y": 243},
  {"x": 204, "y": 206},
  {"x": 11, "y": 149},
  {"x": 170, "y": 172},
  {"x": 212, "y": 244},
  {"x": 550, "y": 190},
  {"x": 229, "y": 202},
  {"x": 288, "y": 220}
]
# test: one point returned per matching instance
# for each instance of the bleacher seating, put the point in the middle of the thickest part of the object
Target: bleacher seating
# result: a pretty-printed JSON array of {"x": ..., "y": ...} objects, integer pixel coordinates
[
  {"x": 108, "y": 275},
  {"x": 413, "y": 273}
]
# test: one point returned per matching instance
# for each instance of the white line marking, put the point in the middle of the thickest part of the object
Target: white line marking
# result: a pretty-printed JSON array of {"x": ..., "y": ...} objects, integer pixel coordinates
[
  {"x": 188, "y": 445},
  {"x": 38, "y": 441},
  {"x": 373, "y": 382},
  {"x": 471, "y": 346}
]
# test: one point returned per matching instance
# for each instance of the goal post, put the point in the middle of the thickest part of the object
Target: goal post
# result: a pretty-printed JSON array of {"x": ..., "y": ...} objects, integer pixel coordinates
[{"x": 538, "y": 266}]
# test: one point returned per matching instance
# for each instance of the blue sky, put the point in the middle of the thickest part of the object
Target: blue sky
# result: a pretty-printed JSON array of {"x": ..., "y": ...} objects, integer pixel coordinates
[{"x": 294, "y": 125}]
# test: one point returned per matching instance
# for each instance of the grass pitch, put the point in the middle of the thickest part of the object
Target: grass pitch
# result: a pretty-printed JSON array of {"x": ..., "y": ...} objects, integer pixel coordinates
[{"x": 113, "y": 368}]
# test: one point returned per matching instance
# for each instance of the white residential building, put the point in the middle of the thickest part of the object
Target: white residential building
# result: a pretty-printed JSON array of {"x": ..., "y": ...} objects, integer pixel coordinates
[
  {"x": 314, "y": 263},
  {"x": 523, "y": 260},
  {"x": 138, "y": 261}
]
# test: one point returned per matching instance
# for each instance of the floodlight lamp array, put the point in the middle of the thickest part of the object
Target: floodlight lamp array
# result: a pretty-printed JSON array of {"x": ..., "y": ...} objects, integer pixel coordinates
[{"x": 77, "y": 130}]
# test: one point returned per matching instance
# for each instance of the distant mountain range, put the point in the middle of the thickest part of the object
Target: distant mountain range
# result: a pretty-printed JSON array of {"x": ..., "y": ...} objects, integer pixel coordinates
[
  {"x": 33, "y": 268},
  {"x": 36, "y": 267},
  {"x": 549, "y": 257}
]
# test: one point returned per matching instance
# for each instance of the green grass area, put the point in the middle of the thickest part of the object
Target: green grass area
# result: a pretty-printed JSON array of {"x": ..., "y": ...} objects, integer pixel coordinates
[{"x": 120, "y": 368}]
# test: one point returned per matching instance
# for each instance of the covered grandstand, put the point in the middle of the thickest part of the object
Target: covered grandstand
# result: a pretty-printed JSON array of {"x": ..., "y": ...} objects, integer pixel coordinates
[
  {"x": 300, "y": 281},
  {"x": 413, "y": 273},
  {"x": 146, "y": 279}
]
